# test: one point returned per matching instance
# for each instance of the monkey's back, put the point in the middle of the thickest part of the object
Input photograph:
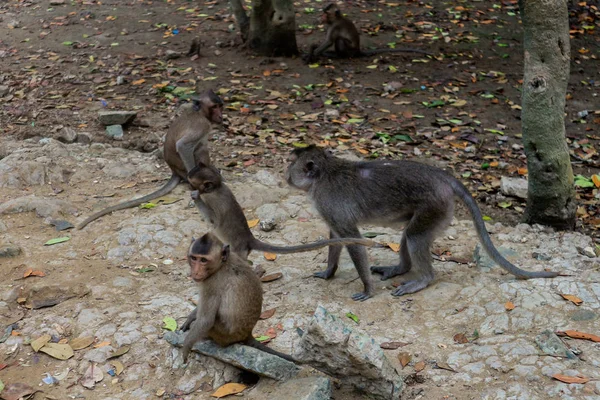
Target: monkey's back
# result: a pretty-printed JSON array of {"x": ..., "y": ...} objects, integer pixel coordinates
[{"x": 241, "y": 303}]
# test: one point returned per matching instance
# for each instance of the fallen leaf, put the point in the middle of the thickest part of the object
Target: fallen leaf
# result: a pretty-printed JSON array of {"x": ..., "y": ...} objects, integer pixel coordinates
[
  {"x": 579, "y": 335},
  {"x": 353, "y": 317},
  {"x": 404, "y": 359},
  {"x": 170, "y": 324},
  {"x": 38, "y": 343},
  {"x": 392, "y": 345},
  {"x": 420, "y": 366},
  {"x": 271, "y": 277},
  {"x": 509, "y": 306},
  {"x": 81, "y": 342},
  {"x": 57, "y": 240},
  {"x": 263, "y": 339},
  {"x": 443, "y": 365},
  {"x": 460, "y": 338},
  {"x": 573, "y": 299},
  {"x": 596, "y": 180},
  {"x": 119, "y": 352},
  {"x": 253, "y": 222},
  {"x": 92, "y": 375},
  {"x": 270, "y": 256},
  {"x": 160, "y": 392},
  {"x": 394, "y": 246},
  {"x": 228, "y": 389},
  {"x": 570, "y": 379},
  {"x": 118, "y": 366},
  {"x": 101, "y": 344},
  {"x": 138, "y": 82},
  {"x": 16, "y": 391},
  {"x": 60, "y": 351},
  {"x": 268, "y": 313}
]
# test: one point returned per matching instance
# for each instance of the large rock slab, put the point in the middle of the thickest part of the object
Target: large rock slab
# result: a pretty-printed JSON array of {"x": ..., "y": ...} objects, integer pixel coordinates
[
  {"x": 515, "y": 187},
  {"x": 43, "y": 206},
  {"x": 244, "y": 357},
  {"x": 354, "y": 357},
  {"x": 116, "y": 117},
  {"x": 551, "y": 344},
  {"x": 312, "y": 388},
  {"x": 50, "y": 295}
]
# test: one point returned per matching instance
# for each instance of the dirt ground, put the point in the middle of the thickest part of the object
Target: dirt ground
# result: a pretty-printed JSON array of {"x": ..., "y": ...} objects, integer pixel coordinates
[{"x": 64, "y": 63}]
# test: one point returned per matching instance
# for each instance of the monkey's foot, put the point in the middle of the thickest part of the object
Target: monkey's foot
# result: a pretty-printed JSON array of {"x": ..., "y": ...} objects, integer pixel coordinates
[
  {"x": 362, "y": 296},
  {"x": 411, "y": 287},
  {"x": 389, "y": 272},
  {"x": 323, "y": 274}
]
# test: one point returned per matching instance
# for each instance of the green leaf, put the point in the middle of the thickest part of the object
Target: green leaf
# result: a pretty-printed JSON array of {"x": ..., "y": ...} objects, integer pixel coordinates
[
  {"x": 486, "y": 218},
  {"x": 145, "y": 269},
  {"x": 313, "y": 65},
  {"x": 404, "y": 138},
  {"x": 497, "y": 132},
  {"x": 1, "y": 386},
  {"x": 485, "y": 165},
  {"x": 170, "y": 324},
  {"x": 262, "y": 338},
  {"x": 393, "y": 69},
  {"x": 299, "y": 145},
  {"x": 505, "y": 204},
  {"x": 147, "y": 205},
  {"x": 372, "y": 234},
  {"x": 455, "y": 121},
  {"x": 355, "y": 120},
  {"x": 583, "y": 182},
  {"x": 435, "y": 103},
  {"x": 466, "y": 174},
  {"x": 353, "y": 317},
  {"x": 68, "y": 43},
  {"x": 114, "y": 44},
  {"x": 57, "y": 240}
]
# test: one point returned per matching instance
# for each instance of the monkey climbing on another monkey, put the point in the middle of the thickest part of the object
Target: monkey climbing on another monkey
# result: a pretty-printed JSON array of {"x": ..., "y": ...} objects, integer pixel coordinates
[
  {"x": 388, "y": 193},
  {"x": 229, "y": 221},
  {"x": 230, "y": 297},
  {"x": 345, "y": 38},
  {"x": 186, "y": 144}
]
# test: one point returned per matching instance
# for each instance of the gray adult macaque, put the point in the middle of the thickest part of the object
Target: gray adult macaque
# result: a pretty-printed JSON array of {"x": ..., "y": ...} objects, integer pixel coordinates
[
  {"x": 230, "y": 224},
  {"x": 186, "y": 144},
  {"x": 230, "y": 297},
  {"x": 345, "y": 38},
  {"x": 389, "y": 193}
]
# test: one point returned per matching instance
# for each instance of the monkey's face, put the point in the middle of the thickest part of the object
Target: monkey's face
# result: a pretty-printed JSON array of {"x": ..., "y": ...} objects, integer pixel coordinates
[
  {"x": 201, "y": 266},
  {"x": 328, "y": 17},
  {"x": 215, "y": 113},
  {"x": 206, "y": 256}
]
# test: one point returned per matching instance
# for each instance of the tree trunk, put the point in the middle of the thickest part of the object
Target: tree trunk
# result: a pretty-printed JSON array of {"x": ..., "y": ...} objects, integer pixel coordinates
[
  {"x": 547, "y": 56},
  {"x": 241, "y": 17},
  {"x": 273, "y": 28}
]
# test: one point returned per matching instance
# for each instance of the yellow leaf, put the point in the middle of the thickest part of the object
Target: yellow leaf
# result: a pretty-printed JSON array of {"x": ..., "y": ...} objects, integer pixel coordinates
[
  {"x": 394, "y": 246},
  {"x": 138, "y": 82},
  {"x": 118, "y": 366},
  {"x": 60, "y": 351},
  {"x": 229, "y": 388},
  {"x": 40, "y": 342},
  {"x": 371, "y": 66},
  {"x": 596, "y": 180},
  {"x": 101, "y": 344},
  {"x": 253, "y": 222},
  {"x": 270, "y": 256},
  {"x": 573, "y": 299},
  {"x": 509, "y": 306},
  {"x": 81, "y": 342}
]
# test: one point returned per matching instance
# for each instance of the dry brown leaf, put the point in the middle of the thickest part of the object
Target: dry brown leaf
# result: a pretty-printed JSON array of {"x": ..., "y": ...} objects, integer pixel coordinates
[
  {"x": 119, "y": 352},
  {"x": 443, "y": 365},
  {"x": 268, "y": 313},
  {"x": 101, "y": 344},
  {"x": 270, "y": 256},
  {"x": 38, "y": 343},
  {"x": 228, "y": 389},
  {"x": 394, "y": 246},
  {"x": 271, "y": 277},
  {"x": 573, "y": 299},
  {"x": 138, "y": 82},
  {"x": 27, "y": 272},
  {"x": 17, "y": 391},
  {"x": 570, "y": 379},
  {"x": 118, "y": 366},
  {"x": 60, "y": 351},
  {"x": 81, "y": 342},
  {"x": 420, "y": 366},
  {"x": 404, "y": 359},
  {"x": 253, "y": 222},
  {"x": 509, "y": 306},
  {"x": 460, "y": 338},
  {"x": 37, "y": 273},
  {"x": 392, "y": 345},
  {"x": 92, "y": 375},
  {"x": 596, "y": 180},
  {"x": 579, "y": 335}
]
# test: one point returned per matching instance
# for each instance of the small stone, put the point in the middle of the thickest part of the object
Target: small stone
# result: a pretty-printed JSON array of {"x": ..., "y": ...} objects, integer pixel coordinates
[
  {"x": 393, "y": 86},
  {"x": 14, "y": 24},
  {"x": 172, "y": 55},
  {"x": 120, "y": 80},
  {"x": 589, "y": 251},
  {"x": 56, "y": 2},
  {"x": 541, "y": 256},
  {"x": 9, "y": 250},
  {"x": 4, "y": 90},
  {"x": 61, "y": 224},
  {"x": 583, "y": 315},
  {"x": 331, "y": 113},
  {"x": 115, "y": 132},
  {"x": 67, "y": 135},
  {"x": 516, "y": 146},
  {"x": 551, "y": 344},
  {"x": 483, "y": 260},
  {"x": 515, "y": 187},
  {"x": 268, "y": 225},
  {"x": 116, "y": 117},
  {"x": 84, "y": 138}
]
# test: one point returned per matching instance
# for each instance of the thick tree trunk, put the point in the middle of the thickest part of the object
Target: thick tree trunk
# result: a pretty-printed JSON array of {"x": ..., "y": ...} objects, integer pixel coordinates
[
  {"x": 547, "y": 56},
  {"x": 241, "y": 17},
  {"x": 273, "y": 28}
]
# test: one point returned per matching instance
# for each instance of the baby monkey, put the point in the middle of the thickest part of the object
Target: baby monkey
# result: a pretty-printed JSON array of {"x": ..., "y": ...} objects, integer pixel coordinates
[
  {"x": 343, "y": 35},
  {"x": 388, "y": 193},
  {"x": 227, "y": 216},
  {"x": 186, "y": 144},
  {"x": 230, "y": 297}
]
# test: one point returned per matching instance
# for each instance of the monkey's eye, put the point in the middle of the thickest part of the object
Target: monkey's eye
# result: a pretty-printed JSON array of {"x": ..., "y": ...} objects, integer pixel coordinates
[
  {"x": 193, "y": 258},
  {"x": 203, "y": 259}
]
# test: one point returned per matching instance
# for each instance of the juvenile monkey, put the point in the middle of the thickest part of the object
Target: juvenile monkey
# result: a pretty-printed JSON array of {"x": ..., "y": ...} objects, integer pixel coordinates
[
  {"x": 229, "y": 221},
  {"x": 185, "y": 145},
  {"x": 343, "y": 35},
  {"x": 230, "y": 297},
  {"x": 388, "y": 193}
]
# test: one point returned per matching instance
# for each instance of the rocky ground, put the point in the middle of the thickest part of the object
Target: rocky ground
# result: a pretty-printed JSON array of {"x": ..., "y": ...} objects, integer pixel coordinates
[{"x": 471, "y": 334}]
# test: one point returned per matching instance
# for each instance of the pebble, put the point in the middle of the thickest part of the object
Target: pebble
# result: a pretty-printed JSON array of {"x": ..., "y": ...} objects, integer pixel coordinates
[
  {"x": 108, "y": 118},
  {"x": 115, "y": 132},
  {"x": 9, "y": 250}
]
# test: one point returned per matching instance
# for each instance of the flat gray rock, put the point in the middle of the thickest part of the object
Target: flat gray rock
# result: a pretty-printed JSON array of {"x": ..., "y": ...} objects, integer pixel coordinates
[
  {"x": 115, "y": 131},
  {"x": 116, "y": 117},
  {"x": 515, "y": 187},
  {"x": 551, "y": 344},
  {"x": 9, "y": 250},
  {"x": 244, "y": 357},
  {"x": 483, "y": 260},
  {"x": 349, "y": 355}
]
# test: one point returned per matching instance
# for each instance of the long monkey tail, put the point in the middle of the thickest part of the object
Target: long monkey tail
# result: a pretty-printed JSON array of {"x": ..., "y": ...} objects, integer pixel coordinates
[
  {"x": 166, "y": 189},
  {"x": 463, "y": 193},
  {"x": 262, "y": 246},
  {"x": 258, "y": 345}
]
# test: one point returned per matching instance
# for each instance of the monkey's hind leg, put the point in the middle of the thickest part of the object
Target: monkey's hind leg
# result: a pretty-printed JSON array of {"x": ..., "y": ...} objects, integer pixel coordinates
[
  {"x": 333, "y": 258},
  {"x": 402, "y": 268}
]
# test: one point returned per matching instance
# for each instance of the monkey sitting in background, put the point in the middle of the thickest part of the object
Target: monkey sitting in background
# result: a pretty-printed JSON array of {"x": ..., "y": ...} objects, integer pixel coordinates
[
  {"x": 388, "y": 193},
  {"x": 343, "y": 35}
]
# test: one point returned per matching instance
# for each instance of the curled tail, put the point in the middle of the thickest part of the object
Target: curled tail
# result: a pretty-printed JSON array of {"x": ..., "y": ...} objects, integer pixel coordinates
[
  {"x": 262, "y": 246},
  {"x": 166, "y": 189},
  {"x": 258, "y": 345},
  {"x": 461, "y": 191}
]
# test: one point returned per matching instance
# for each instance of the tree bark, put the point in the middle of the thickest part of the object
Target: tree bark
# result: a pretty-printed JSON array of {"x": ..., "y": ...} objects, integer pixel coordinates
[
  {"x": 273, "y": 28},
  {"x": 547, "y": 56},
  {"x": 241, "y": 17}
]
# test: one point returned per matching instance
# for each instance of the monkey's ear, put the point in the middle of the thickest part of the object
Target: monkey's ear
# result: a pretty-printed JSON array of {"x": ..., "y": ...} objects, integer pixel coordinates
[
  {"x": 208, "y": 186},
  {"x": 225, "y": 252},
  {"x": 311, "y": 169},
  {"x": 196, "y": 104}
]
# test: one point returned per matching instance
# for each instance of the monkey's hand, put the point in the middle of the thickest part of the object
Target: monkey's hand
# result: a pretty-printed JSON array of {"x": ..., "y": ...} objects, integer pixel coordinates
[
  {"x": 189, "y": 321},
  {"x": 309, "y": 57},
  {"x": 195, "y": 194}
]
